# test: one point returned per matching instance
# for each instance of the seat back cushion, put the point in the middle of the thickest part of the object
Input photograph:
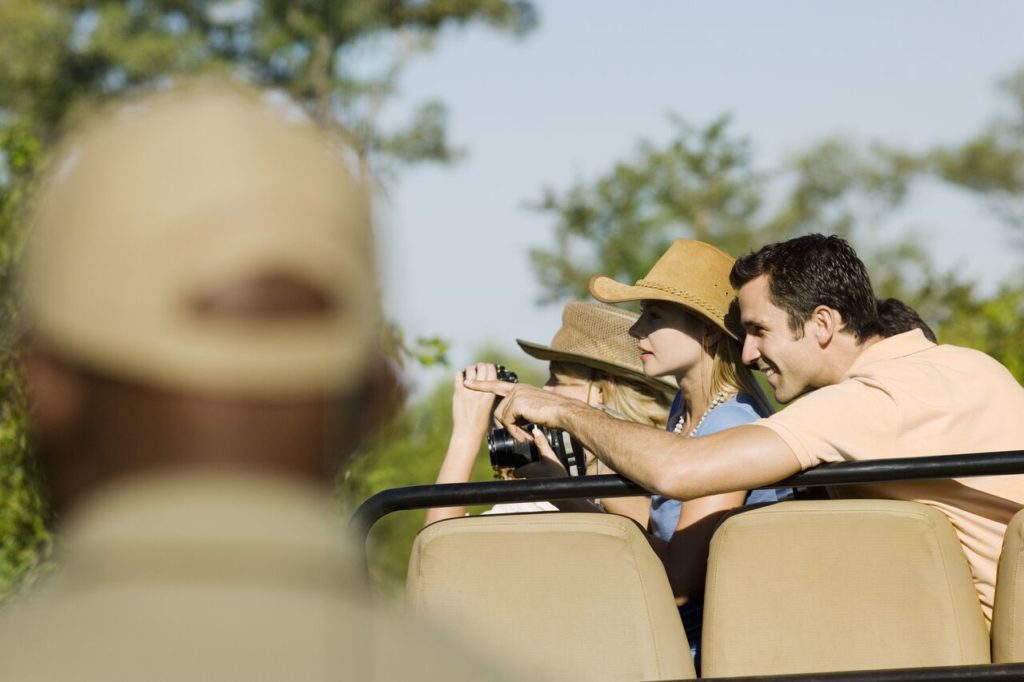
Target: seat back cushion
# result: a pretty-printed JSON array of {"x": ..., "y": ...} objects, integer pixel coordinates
[
  {"x": 569, "y": 596},
  {"x": 816, "y": 586},
  {"x": 1007, "y": 631}
]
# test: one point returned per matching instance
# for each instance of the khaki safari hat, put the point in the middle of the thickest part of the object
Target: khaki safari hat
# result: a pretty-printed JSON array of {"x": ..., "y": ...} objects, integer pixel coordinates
[
  {"x": 692, "y": 274},
  {"x": 152, "y": 204},
  {"x": 597, "y": 335}
]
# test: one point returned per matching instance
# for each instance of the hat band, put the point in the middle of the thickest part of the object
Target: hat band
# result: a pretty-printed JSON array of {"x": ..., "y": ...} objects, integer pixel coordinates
[{"x": 715, "y": 315}]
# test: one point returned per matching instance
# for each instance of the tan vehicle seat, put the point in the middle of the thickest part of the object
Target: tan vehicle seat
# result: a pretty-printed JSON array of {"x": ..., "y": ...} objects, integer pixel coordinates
[
  {"x": 1007, "y": 630},
  {"x": 569, "y": 596},
  {"x": 818, "y": 586}
]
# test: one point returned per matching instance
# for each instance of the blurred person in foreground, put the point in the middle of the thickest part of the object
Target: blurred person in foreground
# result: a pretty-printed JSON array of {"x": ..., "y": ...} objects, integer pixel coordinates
[
  {"x": 812, "y": 325},
  {"x": 201, "y": 316}
]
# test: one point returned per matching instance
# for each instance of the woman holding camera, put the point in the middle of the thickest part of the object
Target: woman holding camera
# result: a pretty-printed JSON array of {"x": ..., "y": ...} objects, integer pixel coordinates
[
  {"x": 592, "y": 359},
  {"x": 688, "y": 332}
]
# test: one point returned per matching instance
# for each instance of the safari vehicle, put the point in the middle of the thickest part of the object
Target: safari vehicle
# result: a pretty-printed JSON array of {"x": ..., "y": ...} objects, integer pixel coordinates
[{"x": 850, "y": 590}]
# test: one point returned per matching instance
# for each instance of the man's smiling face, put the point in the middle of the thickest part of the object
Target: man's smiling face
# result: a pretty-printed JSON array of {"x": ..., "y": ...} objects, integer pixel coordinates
[{"x": 770, "y": 345}]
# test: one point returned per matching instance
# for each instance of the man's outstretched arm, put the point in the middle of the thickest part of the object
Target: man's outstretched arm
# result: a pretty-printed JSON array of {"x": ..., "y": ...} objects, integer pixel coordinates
[{"x": 740, "y": 458}]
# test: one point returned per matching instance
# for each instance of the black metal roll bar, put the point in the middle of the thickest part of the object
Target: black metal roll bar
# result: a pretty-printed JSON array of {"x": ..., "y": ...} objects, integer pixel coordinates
[{"x": 841, "y": 473}]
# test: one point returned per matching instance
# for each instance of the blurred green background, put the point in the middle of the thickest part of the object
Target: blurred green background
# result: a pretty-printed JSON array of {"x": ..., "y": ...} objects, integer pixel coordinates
[{"x": 705, "y": 182}]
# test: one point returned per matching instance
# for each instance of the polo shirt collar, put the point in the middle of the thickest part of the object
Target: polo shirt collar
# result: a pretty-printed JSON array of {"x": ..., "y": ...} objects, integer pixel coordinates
[{"x": 898, "y": 346}]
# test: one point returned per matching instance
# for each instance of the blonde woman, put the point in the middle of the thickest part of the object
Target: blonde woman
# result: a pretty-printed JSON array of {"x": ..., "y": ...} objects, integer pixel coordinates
[
  {"x": 687, "y": 332},
  {"x": 592, "y": 359}
]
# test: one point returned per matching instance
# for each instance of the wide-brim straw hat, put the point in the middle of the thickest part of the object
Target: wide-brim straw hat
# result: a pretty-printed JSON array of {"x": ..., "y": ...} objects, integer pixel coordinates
[
  {"x": 690, "y": 273},
  {"x": 597, "y": 336}
]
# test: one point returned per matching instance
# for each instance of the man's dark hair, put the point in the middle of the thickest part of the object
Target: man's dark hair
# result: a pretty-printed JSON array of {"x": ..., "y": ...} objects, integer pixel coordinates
[
  {"x": 814, "y": 270},
  {"x": 897, "y": 317}
]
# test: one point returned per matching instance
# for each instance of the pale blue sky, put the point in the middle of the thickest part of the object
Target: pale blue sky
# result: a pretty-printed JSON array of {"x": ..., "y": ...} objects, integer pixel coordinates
[{"x": 596, "y": 76}]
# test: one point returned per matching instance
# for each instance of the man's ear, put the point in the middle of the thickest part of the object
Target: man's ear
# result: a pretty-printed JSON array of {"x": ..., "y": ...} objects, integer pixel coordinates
[
  {"x": 826, "y": 323},
  {"x": 55, "y": 391}
]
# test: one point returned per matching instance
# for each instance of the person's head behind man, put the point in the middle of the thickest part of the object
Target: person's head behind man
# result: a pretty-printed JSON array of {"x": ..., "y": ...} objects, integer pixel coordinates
[
  {"x": 896, "y": 317},
  {"x": 807, "y": 306},
  {"x": 199, "y": 292}
]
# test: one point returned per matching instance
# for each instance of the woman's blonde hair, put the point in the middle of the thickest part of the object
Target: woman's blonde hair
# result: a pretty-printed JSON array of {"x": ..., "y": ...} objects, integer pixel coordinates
[
  {"x": 729, "y": 374},
  {"x": 633, "y": 400}
]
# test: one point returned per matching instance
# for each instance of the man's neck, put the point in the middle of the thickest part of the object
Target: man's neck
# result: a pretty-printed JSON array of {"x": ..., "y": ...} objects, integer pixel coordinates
[{"x": 847, "y": 350}]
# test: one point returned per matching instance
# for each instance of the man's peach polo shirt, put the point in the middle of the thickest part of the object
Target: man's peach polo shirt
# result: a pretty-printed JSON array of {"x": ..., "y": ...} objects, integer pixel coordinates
[{"x": 907, "y": 397}]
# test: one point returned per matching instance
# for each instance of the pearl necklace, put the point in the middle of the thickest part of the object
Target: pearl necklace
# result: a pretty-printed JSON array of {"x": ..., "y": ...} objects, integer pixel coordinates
[{"x": 718, "y": 400}]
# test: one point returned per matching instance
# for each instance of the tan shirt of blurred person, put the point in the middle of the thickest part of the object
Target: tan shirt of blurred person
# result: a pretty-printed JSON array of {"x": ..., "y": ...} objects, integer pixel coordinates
[{"x": 215, "y": 576}]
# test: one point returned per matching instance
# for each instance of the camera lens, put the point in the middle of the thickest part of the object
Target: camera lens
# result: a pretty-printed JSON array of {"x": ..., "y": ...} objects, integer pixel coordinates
[{"x": 506, "y": 453}]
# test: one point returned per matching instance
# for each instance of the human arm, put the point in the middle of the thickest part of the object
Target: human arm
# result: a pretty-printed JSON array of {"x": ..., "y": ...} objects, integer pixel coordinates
[
  {"x": 549, "y": 466},
  {"x": 637, "y": 508},
  {"x": 741, "y": 458},
  {"x": 471, "y": 418}
]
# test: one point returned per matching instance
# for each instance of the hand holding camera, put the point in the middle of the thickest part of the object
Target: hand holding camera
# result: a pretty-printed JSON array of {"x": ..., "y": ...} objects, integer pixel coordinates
[
  {"x": 472, "y": 412},
  {"x": 508, "y": 455}
]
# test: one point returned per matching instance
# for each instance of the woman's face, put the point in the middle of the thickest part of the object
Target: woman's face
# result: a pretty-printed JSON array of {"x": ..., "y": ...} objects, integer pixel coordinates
[{"x": 670, "y": 340}]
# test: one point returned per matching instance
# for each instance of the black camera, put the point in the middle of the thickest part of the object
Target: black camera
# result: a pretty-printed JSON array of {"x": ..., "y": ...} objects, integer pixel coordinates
[
  {"x": 507, "y": 454},
  {"x": 503, "y": 374},
  {"x": 506, "y": 374}
]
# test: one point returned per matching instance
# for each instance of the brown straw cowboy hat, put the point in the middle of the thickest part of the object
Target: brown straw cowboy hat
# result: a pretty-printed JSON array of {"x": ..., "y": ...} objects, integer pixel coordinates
[
  {"x": 692, "y": 274},
  {"x": 597, "y": 336}
]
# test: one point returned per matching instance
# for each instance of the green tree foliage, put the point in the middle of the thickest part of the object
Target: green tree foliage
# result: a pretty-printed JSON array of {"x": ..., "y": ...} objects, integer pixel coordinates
[
  {"x": 55, "y": 54},
  {"x": 339, "y": 59},
  {"x": 704, "y": 184},
  {"x": 702, "y": 179},
  {"x": 991, "y": 323},
  {"x": 991, "y": 163},
  {"x": 23, "y": 536}
]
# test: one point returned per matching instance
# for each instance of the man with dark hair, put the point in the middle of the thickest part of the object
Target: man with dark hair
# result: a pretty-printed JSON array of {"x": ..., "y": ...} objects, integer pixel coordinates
[
  {"x": 812, "y": 326},
  {"x": 817, "y": 269},
  {"x": 810, "y": 271},
  {"x": 201, "y": 320}
]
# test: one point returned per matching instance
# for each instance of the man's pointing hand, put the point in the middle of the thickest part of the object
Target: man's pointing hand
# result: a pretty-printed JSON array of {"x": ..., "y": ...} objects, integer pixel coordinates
[{"x": 523, "y": 404}]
